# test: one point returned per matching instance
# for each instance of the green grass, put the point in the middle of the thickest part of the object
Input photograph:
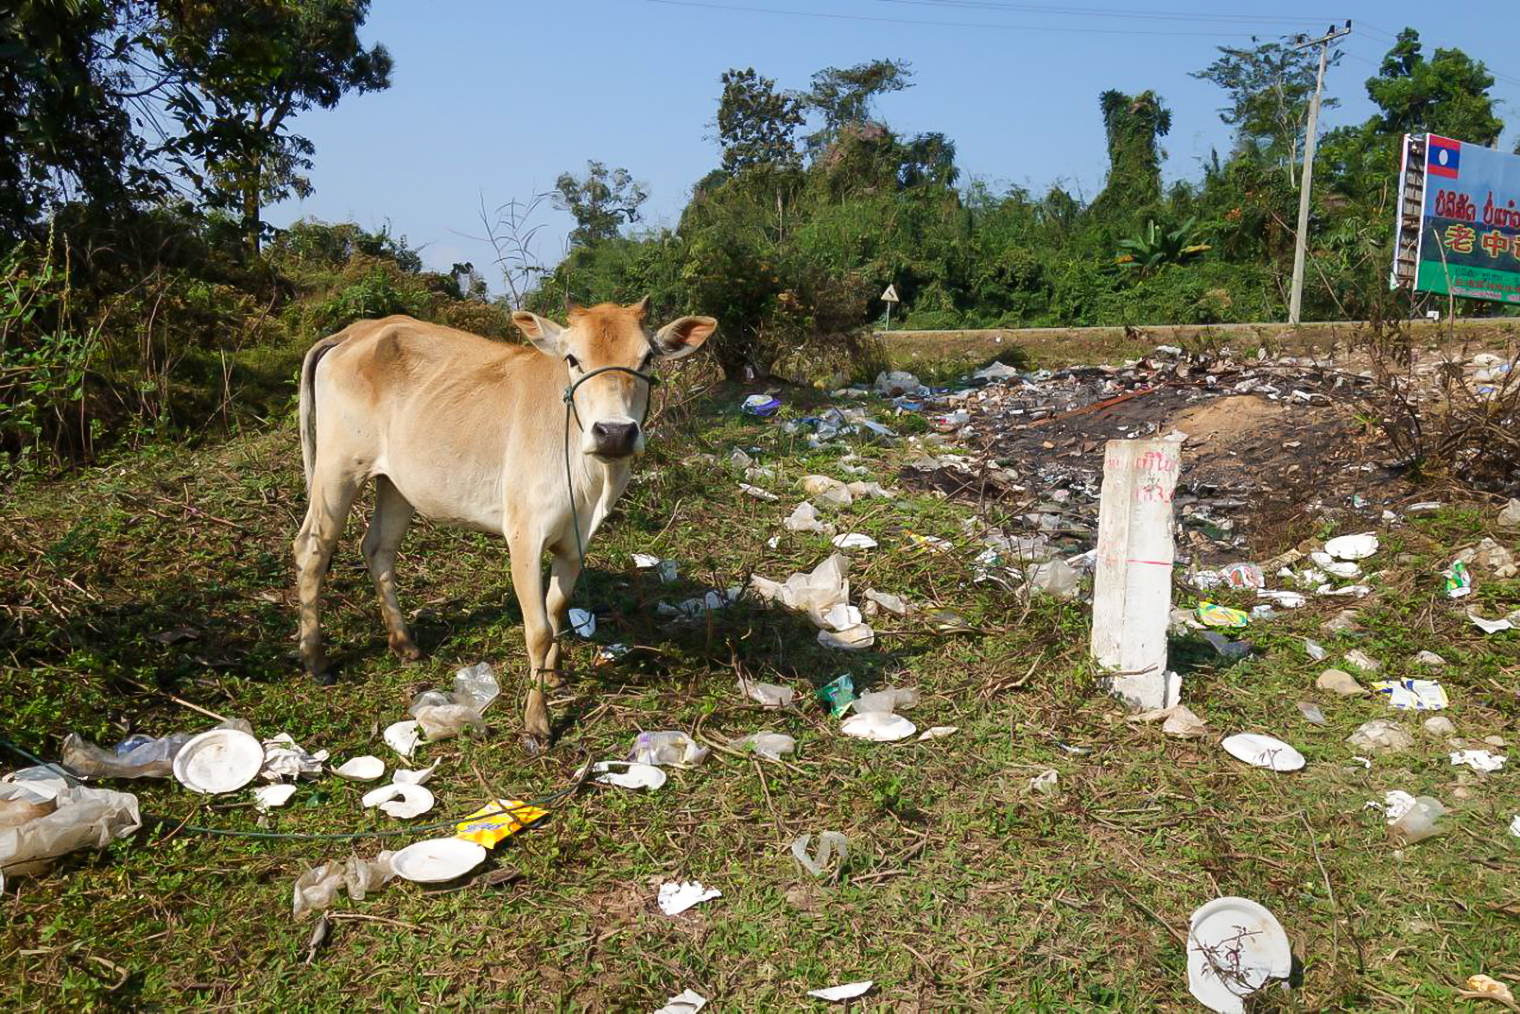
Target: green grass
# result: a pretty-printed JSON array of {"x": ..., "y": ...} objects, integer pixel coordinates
[{"x": 962, "y": 891}]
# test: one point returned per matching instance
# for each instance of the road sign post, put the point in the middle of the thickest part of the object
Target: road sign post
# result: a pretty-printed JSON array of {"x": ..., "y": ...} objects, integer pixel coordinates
[{"x": 889, "y": 297}]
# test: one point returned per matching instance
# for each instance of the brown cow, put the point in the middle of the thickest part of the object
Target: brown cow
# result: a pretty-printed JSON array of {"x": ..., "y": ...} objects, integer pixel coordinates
[{"x": 473, "y": 433}]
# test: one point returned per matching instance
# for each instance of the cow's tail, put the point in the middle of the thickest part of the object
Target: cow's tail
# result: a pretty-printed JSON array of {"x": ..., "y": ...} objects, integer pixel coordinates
[{"x": 308, "y": 401}]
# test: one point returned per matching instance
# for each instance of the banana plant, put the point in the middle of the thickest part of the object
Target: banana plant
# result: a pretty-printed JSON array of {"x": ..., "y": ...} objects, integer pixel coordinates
[{"x": 1153, "y": 247}]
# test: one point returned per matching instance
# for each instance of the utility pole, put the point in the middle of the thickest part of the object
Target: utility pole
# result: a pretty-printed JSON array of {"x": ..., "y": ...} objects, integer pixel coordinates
[{"x": 1305, "y": 179}]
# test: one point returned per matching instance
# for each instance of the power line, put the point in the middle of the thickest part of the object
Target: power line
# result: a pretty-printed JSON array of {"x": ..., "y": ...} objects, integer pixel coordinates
[
  {"x": 1107, "y": 12},
  {"x": 949, "y": 24}
]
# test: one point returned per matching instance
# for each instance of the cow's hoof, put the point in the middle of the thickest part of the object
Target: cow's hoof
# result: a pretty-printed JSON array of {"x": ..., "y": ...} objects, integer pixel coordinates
[
  {"x": 406, "y": 650},
  {"x": 533, "y": 745},
  {"x": 326, "y": 678}
]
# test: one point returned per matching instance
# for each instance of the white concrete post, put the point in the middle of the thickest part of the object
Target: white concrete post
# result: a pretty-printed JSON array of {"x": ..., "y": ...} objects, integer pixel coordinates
[{"x": 1132, "y": 589}]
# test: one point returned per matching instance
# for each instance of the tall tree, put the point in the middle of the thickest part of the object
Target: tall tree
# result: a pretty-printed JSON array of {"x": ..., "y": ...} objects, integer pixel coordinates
[
  {"x": 1447, "y": 94},
  {"x": 600, "y": 202},
  {"x": 1134, "y": 125},
  {"x": 245, "y": 70},
  {"x": 757, "y": 125},
  {"x": 844, "y": 98},
  {"x": 64, "y": 126},
  {"x": 1269, "y": 88}
]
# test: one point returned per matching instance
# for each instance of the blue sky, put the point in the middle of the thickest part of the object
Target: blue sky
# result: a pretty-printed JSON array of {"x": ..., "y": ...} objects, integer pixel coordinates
[{"x": 495, "y": 99}]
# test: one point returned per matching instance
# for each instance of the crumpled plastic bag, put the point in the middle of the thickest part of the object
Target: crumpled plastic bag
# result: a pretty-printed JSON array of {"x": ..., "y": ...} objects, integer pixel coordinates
[
  {"x": 1053, "y": 577},
  {"x": 823, "y": 595},
  {"x": 667, "y": 749},
  {"x": 888, "y": 700},
  {"x": 477, "y": 686},
  {"x": 444, "y": 721},
  {"x": 771, "y": 695},
  {"x": 770, "y": 745},
  {"x": 805, "y": 519},
  {"x": 134, "y": 757},
  {"x": 285, "y": 758},
  {"x": 317, "y": 888},
  {"x": 80, "y": 817},
  {"x": 833, "y": 850}
]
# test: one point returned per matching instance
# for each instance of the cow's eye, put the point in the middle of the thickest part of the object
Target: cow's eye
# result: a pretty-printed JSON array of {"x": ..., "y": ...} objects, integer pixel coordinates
[
  {"x": 647, "y": 363},
  {"x": 575, "y": 364}
]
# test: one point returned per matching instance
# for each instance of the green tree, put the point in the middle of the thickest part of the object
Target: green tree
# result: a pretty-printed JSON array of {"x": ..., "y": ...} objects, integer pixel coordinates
[
  {"x": 244, "y": 70},
  {"x": 1269, "y": 88},
  {"x": 64, "y": 123},
  {"x": 844, "y": 97},
  {"x": 1134, "y": 125},
  {"x": 1447, "y": 94},
  {"x": 757, "y": 124},
  {"x": 601, "y": 202}
]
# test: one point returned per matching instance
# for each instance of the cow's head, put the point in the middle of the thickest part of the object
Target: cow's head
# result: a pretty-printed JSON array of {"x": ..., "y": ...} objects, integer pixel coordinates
[{"x": 610, "y": 406}]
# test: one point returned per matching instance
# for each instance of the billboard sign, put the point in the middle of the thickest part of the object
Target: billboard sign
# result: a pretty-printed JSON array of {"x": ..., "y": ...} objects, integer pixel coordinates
[{"x": 1468, "y": 220}]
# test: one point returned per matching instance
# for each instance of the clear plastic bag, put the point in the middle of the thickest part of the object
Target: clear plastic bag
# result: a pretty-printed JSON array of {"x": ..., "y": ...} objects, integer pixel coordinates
[{"x": 134, "y": 757}]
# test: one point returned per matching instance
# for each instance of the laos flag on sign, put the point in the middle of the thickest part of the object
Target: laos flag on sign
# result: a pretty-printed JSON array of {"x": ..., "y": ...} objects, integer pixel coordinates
[{"x": 1443, "y": 157}]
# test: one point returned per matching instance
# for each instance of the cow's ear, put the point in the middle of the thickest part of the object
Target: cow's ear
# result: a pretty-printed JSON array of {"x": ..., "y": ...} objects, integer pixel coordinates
[
  {"x": 543, "y": 333},
  {"x": 683, "y": 337}
]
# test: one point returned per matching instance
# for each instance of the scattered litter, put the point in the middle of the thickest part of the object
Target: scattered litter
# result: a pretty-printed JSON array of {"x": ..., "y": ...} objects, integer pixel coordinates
[
  {"x": 1340, "y": 681},
  {"x": 448, "y": 720},
  {"x": 1330, "y": 565},
  {"x": 1227, "y": 648},
  {"x": 1312, "y": 713},
  {"x": 684, "y": 1002},
  {"x": 854, "y": 540},
  {"x": 51, "y": 817},
  {"x": 675, "y": 749},
  {"x": 407, "y": 776},
  {"x": 1509, "y": 517},
  {"x": 284, "y": 758},
  {"x": 1045, "y": 783},
  {"x": 476, "y": 686},
  {"x": 1413, "y": 695},
  {"x": 1243, "y": 575},
  {"x": 1481, "y": 987},
  {"x": 697, "y": 608},
  {"x": 767, "y": 744},
  {"x": 1222, "y": 616},
  {"x": 1423, "y": 507},
  {"x": 886, "y": 700},
  {"x": 1235, "y": 948},
  {"x": 1419, "y": 821},
  {"x": 1286, "y": 599},
  {"x": 497, "y": 820},
  {"x": 1429, "y": 658},
  {"x": 403, "y": 800},
  {"x": 1352, "y": 547},
  {"x": 880, "y": 726},
  {"x": 1053, "y": 577},
  {"x": 1314, "y": 650},
  {"x": 837, "y": 694},
  {"x": 403, "y": 737},
  {"x": 823, "y": 595},
  {"x": 891, "y": 384},
  {"x": 833, "y": 850},
  {"x": 1179, "y": 721},
  {"x": 831, "y": 491},
  {"x": 876, "y": 601},
  {"x": 1439, "y": 725},
  {"x": 222, "y": 760},
  {"x": 938, "y": 732},
  {"x": 269, "y": 797},
  {"x": 1514, "y": 825},
  {"x": 316, "y": 888},
  {"x": 1343, "y": 620},
  {"x": 1459, "y": 583},
  {"x": 1365, "y": 762},
  {"x": 1478, "y": 760},
  {"x": 361, "y": 769},
  {"x": 676, "y": 898},
  {"x": 1496, "y": 626},
  {"x": 134, "y": 757},
  {"x": 769, "y": 694},
  {"x": 1395, "y": 804},
  {"x": 848, "y": 991},
  {"x": 805, "y": 519},
  {"x": 437, "y": 860},
  {"x": 610, "y": 653},
  {"x": 1363, "y": 661},
  {"x": 762, "y": 405},
  {"x": 1263, "y": 751},
  {"x": 628, "y": 775},
  {"x": 583, "y": 622},
  {"x": 758, "y": 493},
  {"x": 666, "y": 570},
  {"x": 1381, "y": 735}
]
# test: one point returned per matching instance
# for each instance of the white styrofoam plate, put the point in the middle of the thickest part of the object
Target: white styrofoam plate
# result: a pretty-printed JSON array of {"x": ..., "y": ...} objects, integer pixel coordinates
[
  {"x": 628, "y": 775},
  {"x": 1234, "y": 948},
  {"x": 222, "y": 760},
  {"x": 1263, "y": 751},
  {"x": 437, "y": 860},
  {"x": 879, "y": 726},
  {"x": 360, "y": 769}
]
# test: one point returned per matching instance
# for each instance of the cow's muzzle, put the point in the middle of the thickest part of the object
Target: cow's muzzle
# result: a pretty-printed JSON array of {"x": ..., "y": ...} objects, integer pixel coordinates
[{"x": 614, "y": 439}]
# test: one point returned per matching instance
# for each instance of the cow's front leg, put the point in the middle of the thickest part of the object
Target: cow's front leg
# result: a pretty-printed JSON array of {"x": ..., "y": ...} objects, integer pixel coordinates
[
  {"x": 564, "y": 569},
  {"x": 528, "y": 583}
]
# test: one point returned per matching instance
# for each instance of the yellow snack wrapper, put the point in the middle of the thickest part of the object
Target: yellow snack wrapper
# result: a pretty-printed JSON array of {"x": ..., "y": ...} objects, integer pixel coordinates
[{"x": 506, "y": 818}]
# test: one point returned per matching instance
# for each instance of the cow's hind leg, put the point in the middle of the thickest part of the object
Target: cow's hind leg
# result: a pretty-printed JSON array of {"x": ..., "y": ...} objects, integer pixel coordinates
[
  {"x": 528, "y": 583},
  {"x": 393, "y": 512},
  {"x": 564, "y": 569},
  {"x": 330, "y": 497}
]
